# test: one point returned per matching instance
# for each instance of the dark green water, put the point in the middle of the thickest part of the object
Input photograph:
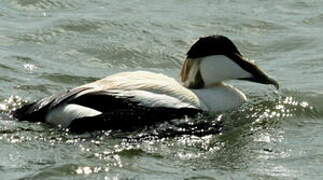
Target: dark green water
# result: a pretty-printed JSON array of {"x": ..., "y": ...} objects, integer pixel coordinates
[{"x": 47, "y": 46}]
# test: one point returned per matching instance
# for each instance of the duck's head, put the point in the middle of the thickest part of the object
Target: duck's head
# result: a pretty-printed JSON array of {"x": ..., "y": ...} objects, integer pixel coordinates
[{"x": 214, "y": 59}]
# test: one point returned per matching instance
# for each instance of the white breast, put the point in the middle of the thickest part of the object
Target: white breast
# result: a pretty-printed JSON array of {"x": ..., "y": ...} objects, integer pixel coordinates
[{"x": 220, "y": 98}]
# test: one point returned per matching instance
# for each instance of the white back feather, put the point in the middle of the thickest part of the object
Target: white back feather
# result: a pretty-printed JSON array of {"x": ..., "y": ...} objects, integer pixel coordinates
[
  {"x": 146, "y": 81},
  {"x": 150, "y": 99}
]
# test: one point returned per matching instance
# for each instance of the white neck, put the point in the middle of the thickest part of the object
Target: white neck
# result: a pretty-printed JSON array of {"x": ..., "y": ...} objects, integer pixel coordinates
[
  {"x": 217, "y": 68},
  {"x": 221, "y": 97}
]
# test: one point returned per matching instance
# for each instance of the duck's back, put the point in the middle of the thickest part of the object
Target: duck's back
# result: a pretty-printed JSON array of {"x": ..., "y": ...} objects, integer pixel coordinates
[{"x": 148, "y": 82}]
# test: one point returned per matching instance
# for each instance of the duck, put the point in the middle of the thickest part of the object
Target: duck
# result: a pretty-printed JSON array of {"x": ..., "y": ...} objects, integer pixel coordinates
[{"x": 130, "y": 99}]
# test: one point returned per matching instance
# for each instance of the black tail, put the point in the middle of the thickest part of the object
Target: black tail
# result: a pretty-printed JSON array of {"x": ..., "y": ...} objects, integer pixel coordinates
[
  {"x": 36, "y": 111},
  {"x": 30, "y": 112}
]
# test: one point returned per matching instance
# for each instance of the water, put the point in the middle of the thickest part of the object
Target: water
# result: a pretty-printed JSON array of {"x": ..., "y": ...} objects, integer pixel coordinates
[{"x": 47, "y": 46}]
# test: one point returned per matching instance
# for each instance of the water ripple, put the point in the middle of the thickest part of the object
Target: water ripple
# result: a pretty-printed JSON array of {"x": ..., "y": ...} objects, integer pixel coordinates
[{"x": 44, "y": 4}]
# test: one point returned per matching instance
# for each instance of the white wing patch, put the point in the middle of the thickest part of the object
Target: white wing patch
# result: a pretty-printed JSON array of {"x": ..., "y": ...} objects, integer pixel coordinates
[{"x": 64, "y": 114}]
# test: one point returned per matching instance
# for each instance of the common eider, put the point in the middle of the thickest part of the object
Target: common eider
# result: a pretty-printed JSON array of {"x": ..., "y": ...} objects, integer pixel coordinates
[{"x": 129, "y": 99}]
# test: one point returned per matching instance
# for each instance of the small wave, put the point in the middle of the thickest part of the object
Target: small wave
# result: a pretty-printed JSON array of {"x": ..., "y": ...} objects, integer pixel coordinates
[
  {"x": 83, "y": 25},
  {"x": 44, "y": 4}
]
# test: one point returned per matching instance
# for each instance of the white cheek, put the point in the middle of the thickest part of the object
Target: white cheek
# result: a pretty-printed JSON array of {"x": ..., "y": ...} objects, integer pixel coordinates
[{"x": 218, "y": 68}]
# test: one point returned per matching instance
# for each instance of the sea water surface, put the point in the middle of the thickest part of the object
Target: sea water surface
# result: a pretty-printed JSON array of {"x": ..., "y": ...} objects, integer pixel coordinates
[{"x": 48, "y": 46}]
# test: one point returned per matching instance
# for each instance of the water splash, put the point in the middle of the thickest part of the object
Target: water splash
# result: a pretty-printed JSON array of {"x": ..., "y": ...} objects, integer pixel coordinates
[{"x": 10, "y": 104}]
